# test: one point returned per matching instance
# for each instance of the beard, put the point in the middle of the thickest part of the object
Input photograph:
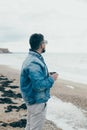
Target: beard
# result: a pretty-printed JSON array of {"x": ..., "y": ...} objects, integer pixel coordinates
[{"x": 43, "y": 50}]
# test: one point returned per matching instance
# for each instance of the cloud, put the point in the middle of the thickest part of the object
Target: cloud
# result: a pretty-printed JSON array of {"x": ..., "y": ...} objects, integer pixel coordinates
[{"x": 62, "y": 22}]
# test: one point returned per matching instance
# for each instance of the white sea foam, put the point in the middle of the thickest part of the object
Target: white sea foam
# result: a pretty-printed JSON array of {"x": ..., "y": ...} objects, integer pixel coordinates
[
  {"x": 66, "y": 115},
  {"x": 69, "y": 86}
]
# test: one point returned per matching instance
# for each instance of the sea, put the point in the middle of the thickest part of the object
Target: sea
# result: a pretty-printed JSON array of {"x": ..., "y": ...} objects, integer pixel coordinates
[{"x": 70, "y": 66}]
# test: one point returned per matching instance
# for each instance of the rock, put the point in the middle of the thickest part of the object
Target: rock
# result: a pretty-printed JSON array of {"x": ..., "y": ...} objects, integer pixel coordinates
[{"x": 4, "y": 50}]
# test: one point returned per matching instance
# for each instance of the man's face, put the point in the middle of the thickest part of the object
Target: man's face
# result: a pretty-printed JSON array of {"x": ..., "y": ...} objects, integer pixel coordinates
[
  {"x": 44, "y": 48},
  {"x": 43, "y": 45}
]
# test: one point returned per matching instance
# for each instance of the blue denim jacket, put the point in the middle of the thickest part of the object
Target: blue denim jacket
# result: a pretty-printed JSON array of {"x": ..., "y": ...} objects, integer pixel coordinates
[{"x": 35, "y": 83}]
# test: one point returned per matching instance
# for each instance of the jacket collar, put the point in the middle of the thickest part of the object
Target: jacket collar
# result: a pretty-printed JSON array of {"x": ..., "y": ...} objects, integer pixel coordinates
[{"x": 32, "y": 52}]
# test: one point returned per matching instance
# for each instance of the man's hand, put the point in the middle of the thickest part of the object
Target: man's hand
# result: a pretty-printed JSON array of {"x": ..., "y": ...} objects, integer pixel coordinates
[{"x": 54, "y": 76}]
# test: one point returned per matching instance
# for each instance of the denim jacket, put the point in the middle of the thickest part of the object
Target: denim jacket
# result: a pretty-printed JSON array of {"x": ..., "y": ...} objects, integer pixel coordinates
[{"x": 35, "y": 83}]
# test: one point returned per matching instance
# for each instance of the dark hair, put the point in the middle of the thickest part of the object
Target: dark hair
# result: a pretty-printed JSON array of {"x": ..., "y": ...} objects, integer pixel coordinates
[{"x": 35, "y": 41}]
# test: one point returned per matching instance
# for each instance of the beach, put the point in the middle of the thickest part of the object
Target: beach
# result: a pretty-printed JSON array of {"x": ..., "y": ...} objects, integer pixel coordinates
[
  {"x": 63, "y": 25},
  {"x": 13, "y": 109}
]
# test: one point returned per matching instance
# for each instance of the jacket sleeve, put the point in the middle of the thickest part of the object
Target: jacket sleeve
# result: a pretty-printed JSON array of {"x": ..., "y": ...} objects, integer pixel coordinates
[{"x": 39, "y": 81}]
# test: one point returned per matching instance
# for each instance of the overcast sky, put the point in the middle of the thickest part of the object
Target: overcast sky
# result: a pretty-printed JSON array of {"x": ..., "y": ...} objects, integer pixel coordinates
[{"x": 62, "y": 22}]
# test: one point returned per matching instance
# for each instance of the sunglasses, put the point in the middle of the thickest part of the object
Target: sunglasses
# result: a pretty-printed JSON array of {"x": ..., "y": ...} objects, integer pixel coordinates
[{"x": 44, "y": 42}]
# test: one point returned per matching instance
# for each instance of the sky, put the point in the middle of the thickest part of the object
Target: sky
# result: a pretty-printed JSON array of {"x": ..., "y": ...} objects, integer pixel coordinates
[{"x": 62, "y": 22}]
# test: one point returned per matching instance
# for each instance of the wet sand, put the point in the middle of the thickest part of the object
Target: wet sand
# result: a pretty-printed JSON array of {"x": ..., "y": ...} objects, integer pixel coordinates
[
  {"x": 73, "y": 92},
  {"x": 12, "y": 108}
]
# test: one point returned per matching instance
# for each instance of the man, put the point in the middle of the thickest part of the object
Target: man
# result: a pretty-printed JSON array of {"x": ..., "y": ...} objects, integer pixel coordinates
[{"x": 35, "y": 83}]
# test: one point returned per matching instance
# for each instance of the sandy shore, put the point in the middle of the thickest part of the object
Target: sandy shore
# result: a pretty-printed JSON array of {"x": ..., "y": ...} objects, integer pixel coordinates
[
  {"x": 73, "y": 92},
  {"x": 12, "y": 108}
]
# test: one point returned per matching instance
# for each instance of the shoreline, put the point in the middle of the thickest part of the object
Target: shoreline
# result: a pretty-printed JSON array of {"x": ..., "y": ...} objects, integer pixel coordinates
[{"x": 67, "y": 91}]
